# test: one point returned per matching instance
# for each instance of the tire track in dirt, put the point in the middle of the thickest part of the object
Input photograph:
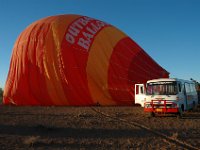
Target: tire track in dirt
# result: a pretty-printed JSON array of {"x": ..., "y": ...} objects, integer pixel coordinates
[{"x": 133, "y": 123}]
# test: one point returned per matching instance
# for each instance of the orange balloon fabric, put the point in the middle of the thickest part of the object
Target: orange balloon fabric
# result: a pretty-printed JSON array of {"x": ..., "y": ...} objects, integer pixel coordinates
[{"x": 76, "y": 60}]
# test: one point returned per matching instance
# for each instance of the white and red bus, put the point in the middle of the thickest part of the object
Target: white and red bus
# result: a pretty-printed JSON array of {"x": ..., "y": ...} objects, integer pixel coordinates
[{"x": 167, "y": 95}]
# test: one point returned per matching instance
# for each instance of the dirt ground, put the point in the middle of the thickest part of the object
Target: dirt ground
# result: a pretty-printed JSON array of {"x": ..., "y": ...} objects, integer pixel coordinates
[{"x": 83, "y": 128}]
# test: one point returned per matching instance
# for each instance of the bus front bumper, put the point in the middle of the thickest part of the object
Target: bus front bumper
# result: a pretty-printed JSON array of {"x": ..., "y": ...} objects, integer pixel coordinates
[{"x": 161, "y": 106}]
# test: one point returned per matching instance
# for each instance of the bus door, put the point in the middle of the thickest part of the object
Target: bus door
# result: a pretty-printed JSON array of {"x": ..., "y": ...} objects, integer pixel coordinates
[{"x": 140, "y": 94}]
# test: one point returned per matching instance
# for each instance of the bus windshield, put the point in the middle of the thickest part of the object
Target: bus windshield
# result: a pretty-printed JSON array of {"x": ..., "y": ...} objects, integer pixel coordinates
[{"x": 162, "y": 88}]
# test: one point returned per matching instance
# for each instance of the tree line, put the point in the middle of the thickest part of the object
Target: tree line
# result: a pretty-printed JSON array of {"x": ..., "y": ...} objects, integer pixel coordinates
[{"x": 1, "y": 95}]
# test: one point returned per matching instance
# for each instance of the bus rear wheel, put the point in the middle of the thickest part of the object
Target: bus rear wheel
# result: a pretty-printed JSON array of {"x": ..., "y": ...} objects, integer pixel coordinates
[
  {"x": 151, "y": 114},
  {"x": 194, "y": 106},
  {"x": 181, "y": 110}
]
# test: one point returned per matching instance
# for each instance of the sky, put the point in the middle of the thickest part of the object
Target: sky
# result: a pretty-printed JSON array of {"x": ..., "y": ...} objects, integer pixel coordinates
[{"x": 168, "y": 30}]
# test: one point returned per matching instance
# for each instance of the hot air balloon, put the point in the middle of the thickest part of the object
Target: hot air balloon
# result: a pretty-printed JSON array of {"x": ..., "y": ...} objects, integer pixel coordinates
[{"x": 73, "y": 60}]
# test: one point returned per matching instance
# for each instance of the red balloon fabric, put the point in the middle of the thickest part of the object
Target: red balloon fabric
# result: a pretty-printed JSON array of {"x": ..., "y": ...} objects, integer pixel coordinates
[{"x": 75, "y": 60}]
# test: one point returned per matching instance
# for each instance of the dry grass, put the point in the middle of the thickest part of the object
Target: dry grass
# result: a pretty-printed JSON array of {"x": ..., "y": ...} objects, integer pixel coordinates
[
  {"x": 174, "y": 135},
  {"x": 30, "y": 141},
  {"x": 82, "y": 128}
]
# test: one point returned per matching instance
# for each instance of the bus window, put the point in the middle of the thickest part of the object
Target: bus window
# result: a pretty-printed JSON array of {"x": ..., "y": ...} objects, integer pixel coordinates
[
  {"x": 187, "y": 88},
  {"x": 192, "y": 87},
  {"x": 162, "y": 88},
  {"x": 179, "y": 87},
  {"x": 141, "y": 90},
  {"x": 182, "y": 87}
]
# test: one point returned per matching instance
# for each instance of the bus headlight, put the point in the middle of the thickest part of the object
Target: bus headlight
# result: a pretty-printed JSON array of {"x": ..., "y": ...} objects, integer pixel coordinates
[{"x": 147, "y": 106}]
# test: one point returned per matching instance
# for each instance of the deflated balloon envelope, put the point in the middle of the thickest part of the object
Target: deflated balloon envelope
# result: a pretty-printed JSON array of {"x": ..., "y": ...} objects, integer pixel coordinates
[{"x": 78, "y": 61}]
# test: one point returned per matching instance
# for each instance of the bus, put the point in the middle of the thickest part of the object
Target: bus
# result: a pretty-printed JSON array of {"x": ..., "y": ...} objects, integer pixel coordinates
[{"x": 169, "y": 95}]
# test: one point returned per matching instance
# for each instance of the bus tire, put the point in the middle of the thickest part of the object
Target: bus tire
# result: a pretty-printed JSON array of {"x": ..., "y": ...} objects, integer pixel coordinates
[
  {"x": 194, "y": 105},
  {"x": 152, "y": 114},
  {"x": 181, "y": 110},
  {"x": 180, "y": 114}
]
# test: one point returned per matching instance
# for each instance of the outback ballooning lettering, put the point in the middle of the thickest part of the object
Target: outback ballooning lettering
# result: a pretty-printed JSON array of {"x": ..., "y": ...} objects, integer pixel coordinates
[{"x": 83, "y": 30}]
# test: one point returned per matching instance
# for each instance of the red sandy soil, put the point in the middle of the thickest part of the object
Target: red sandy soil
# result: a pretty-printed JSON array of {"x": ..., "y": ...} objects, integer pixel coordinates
[{"x": 83, "y": 128}]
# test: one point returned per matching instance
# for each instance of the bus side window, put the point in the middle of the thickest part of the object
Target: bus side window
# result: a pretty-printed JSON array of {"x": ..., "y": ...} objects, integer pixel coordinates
[
  {"x": 187, "y": 88},
  {"x": 192, "y": 87},
  {"x": 179, "y": 87},
  {"x": 184, "y": 89}
]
